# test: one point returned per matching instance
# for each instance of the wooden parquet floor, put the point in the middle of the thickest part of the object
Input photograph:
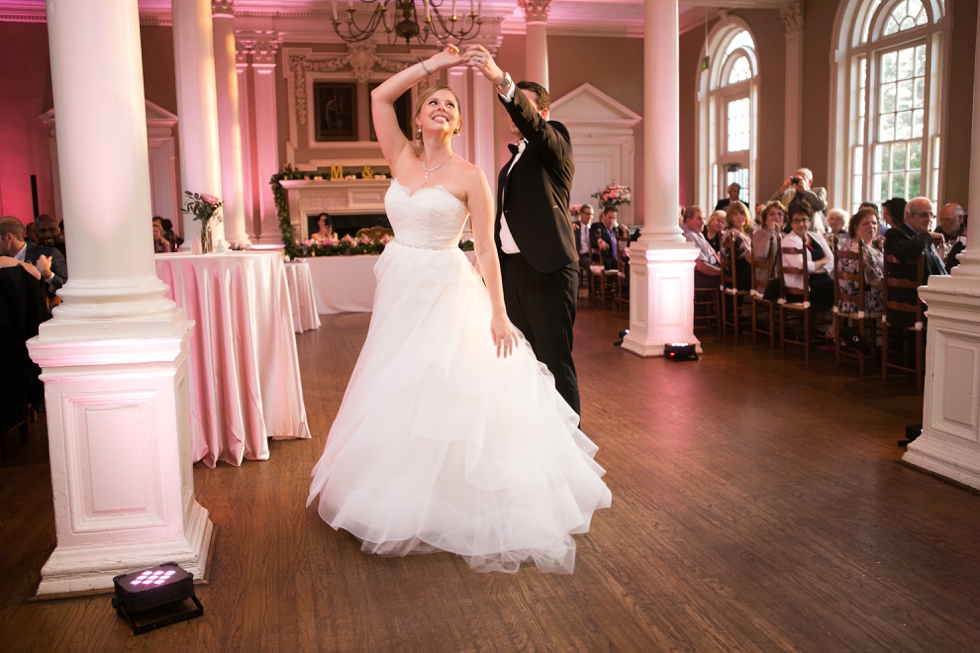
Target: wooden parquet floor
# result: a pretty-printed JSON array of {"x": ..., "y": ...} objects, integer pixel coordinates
[{"x": 758, "y": 505}]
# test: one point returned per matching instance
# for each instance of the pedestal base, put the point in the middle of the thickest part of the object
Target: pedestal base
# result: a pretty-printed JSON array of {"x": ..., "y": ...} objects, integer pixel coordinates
[
  {"x": 661, "y": 297},
  {"x": 121, "y": 475},
  {"x": 950, "y": 440}
]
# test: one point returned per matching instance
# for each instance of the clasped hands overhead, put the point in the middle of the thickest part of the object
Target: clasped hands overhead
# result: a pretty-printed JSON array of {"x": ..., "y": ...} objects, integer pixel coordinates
[{"x": 476, "y": 56}]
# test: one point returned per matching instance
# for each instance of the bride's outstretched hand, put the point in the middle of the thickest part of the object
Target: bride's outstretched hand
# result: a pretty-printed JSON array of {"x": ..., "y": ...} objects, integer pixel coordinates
[
  {"x": 446, "y": 58},
  {"x": 504, "y": 335}
]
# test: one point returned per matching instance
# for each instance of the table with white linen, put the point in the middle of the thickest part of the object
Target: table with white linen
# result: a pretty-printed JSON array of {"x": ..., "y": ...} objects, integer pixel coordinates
[
  {"x": 301, "y": 298},
  {"x": 243, "y": 380},
  {"x": 345, "y": 284}
]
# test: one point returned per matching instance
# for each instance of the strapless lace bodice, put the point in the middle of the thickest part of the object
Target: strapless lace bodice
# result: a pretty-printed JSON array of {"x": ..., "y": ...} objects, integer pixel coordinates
[{"x": 429, "y": 218}]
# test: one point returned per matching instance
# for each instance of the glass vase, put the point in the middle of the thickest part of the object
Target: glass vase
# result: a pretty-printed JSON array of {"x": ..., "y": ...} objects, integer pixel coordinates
[{"x": 207, "y": 246}]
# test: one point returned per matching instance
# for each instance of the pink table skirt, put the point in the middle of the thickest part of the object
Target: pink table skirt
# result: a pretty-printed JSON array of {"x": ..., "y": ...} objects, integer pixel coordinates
[
  {"x": 301, "y": 297},
  {"x": 243, "y": 381}
]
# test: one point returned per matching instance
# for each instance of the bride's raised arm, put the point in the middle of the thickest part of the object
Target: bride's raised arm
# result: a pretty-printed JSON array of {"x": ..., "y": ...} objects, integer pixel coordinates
[{"x": 393, "y": 143}]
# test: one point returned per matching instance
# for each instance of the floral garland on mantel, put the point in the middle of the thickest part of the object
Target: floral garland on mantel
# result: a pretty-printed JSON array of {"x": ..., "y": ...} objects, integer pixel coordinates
[
  {"x": 282, "y": 207},
  {"x": 345, "y": 246}
]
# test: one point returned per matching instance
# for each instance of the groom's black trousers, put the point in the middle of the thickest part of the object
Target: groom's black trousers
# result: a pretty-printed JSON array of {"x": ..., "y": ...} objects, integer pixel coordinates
[{"x": 542, "y": 306}]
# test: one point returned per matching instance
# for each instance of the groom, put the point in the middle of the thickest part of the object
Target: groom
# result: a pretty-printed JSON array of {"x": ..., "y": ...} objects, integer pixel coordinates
[{"x": 535, "y": 240}]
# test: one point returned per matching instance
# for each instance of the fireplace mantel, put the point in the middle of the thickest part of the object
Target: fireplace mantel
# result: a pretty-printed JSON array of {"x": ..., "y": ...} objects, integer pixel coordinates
[{"x": 340, "y": 197}]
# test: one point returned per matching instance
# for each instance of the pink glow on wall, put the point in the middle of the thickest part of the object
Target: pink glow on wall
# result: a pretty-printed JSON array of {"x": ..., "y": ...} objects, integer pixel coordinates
[{"x": 25, "y": 93}]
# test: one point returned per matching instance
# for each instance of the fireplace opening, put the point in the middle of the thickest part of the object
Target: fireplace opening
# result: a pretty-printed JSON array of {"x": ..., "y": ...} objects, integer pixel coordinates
[{"x": 348, "y": 225}]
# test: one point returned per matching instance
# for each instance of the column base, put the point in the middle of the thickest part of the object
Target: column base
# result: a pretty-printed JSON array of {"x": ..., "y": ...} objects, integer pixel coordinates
[
  {"x": 82, "y": 568},
  {"x": 661, "y": 297},
  {"x": 120, "y": 451},
  {"x": 950, "y": 442}
]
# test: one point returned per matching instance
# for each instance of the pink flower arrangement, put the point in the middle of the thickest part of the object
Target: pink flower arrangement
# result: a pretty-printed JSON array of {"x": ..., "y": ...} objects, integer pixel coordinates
[
  {"x": 347, "y": 240},
  {"x": 364, "y": 240},
  {"x": 385, "y": 239},
  {"x": 613, "y": 195},
  {"x": 203, "y": 206}
]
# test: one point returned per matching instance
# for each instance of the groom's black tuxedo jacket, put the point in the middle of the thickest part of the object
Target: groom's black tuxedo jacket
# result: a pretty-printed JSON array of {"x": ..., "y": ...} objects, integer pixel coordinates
[{"x": 535, "y": 193}]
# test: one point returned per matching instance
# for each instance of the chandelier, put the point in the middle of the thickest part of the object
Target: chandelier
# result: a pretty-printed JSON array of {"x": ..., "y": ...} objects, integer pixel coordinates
[{"x": 405, "y": 21}]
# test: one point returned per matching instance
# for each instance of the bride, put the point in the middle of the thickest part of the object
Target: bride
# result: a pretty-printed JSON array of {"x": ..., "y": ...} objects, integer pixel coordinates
[{"x": 450, "y": 438}]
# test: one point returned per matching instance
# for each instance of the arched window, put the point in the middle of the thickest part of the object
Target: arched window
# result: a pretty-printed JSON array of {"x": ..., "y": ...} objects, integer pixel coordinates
[
  {"x": 727, "y": 97},
  {"x": 888, "y": 100}
]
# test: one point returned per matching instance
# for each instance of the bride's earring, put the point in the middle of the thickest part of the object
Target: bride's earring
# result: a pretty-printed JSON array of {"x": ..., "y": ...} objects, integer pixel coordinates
[{"x": 418, "y": 131}]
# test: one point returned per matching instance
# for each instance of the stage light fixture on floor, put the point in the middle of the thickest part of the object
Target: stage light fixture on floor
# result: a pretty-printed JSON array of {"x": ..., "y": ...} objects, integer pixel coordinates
[
  {"x": 156, "y": 597},
  {"x": 681, "y": 351}
]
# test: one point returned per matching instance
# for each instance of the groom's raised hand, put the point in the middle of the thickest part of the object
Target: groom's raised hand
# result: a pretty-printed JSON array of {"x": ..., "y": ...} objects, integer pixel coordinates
[{"x": 479, "y": 57}]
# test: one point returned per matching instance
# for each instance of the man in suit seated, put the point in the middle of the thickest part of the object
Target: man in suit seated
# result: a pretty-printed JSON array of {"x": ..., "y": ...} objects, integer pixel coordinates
[
  {"x": 47, "y": 261},
  {"x": 905, "y": 242},
  {"x": 582, "y": 228},
  {"x": 604, "y": 236},
  {"x": 950, "y": 222},
  {"x": 48, "y": 233}
]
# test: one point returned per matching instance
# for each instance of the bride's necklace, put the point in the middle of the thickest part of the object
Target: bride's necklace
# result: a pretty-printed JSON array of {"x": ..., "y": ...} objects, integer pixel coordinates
[{"x": 428, "y": 170}]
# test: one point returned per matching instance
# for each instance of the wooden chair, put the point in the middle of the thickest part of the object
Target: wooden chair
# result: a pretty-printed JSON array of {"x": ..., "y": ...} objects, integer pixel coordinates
[
  {"x": 800, "y": 332},
  {"x": 729, "y": 291},
  {"x": 899, "y": 274},
  {"x": 603, "y": 282},
  {"x": 622, "y": 299},
  {"x": 707, "y": 302},
  {"x": 762, "y": 272},
  {"x": 866, "y": 322}
]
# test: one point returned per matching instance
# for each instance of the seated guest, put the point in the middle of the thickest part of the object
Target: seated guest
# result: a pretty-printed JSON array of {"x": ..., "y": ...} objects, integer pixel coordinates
[
  {"x": 759, "y": 208},
  {"x": 819, "y": 260},
  {"x": 49, "y": 233},
  {"x": 167, "y": 229},
  {"x": 892, "y": 214},
  {"x": 160, "y": 244},
  {"x": 739, "y": 229},
  {"x": 713, "y": 230},
  {"x": 872, "y": 206},
  {"x": 950, "y": 222},
  {"x": 767, "y": 235},
  {"x": 862, "y": 230},
  {"x": 581, "y": 227},
  {"x": 30, "y": 233},
  {"x": 604, "y": 236},
  {"x": 733, "y": 191},
  {"x": 836, "y": 224},
  {"x": 905, "y": 242},
  {"x": 707, "y": 270},
  {"x": 324, "y": 232},
  {"x": 798, "y": 187},
  {"x": 48, "y": 262}
]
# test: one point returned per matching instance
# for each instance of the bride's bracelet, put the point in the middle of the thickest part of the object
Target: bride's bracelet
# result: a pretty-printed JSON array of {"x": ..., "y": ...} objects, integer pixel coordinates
[{"x": 422, "y": 63}]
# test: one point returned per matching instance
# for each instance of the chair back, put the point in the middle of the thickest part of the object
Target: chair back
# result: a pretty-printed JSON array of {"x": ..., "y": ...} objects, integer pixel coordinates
[
  {"x": 901, "y": 283},
  {"x": 849, "y": 286},
  {"x": 727, "y": 260},
  {"x": 763, "y": 269},
  {"x": 803, "y": 271}
]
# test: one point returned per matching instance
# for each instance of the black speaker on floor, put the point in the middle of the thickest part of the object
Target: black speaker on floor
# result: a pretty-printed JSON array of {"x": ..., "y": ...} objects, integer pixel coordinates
[
  {"x": 156, "y": 597},
  {"x": 681, "y": 351}
]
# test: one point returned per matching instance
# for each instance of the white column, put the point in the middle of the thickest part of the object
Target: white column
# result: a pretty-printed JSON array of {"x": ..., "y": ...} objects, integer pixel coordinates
[
  {"x": 266, "y": 137},
  {"x": 950, "y": 440},
  {"x": 114, "y": 354},
  {"x": 793, "y": 108},
  {"x": 197, "y": 107},
  {"x": 661, "y": 262},
  {"x": 536, "y": 41},
  {"x": 245, "y": 119},
  {"x": 229, "y": 126}
]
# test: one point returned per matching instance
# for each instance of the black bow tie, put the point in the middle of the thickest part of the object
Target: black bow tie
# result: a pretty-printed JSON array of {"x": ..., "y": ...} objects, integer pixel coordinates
[{"x": 513, "y": 148}]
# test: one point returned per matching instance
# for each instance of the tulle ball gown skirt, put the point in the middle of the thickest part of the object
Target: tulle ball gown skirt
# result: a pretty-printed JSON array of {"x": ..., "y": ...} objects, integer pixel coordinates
[{"x": 441, "y": 446}]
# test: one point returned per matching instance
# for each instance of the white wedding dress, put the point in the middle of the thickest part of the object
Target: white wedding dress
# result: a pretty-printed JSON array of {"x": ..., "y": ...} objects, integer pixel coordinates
[{"x": 439, "y": 445}]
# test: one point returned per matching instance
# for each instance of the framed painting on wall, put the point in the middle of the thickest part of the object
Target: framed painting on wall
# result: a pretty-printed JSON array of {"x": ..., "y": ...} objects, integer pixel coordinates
[
  {"x": 403, "y": 111},
  {"x": 335, "y": 111}
]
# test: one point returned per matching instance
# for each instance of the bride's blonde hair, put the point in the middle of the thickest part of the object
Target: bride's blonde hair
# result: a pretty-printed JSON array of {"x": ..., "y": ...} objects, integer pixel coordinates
[{"x": 425, "y": 95}]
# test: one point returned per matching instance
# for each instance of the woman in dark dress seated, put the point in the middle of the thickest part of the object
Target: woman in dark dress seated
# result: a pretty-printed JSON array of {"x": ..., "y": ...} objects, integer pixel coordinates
[
  {"x": 740, "y": 230},
  {"x": 819, "y": 260}
]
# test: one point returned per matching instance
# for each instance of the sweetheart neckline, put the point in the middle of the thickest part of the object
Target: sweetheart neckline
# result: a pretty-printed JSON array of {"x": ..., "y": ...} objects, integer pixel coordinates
[{"x": 410, "y": 194}]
